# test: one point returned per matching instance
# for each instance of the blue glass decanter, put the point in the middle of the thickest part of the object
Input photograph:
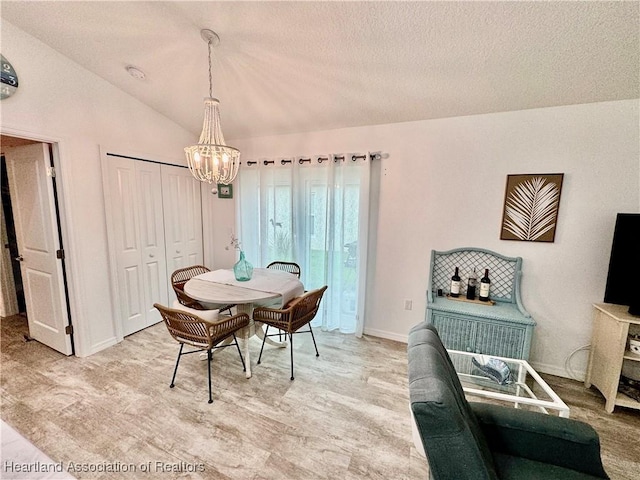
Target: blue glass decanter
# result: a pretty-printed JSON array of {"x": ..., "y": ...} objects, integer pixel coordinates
[{"x": 242, "y": 270}]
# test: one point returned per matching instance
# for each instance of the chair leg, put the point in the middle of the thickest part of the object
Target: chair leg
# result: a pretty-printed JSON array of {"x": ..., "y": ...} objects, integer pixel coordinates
[
  {"x": 291, "y": 342},
  {"x": 175, "y": 370},
  {"x": 209, "y": 369},
  {"x": 244, "y": 367},
  {"x": 262, "y": 348},
  {"x": 314, "y": 341}
]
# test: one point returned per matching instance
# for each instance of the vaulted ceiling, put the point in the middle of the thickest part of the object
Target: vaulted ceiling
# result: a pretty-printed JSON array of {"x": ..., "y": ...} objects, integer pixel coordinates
[{"x": 285, "y": 67}]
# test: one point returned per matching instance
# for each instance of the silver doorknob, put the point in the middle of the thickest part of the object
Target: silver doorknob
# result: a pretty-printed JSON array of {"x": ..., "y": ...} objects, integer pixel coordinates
[
  {"x": 177, "y": 251},
  {"x": 19, "y": 258},
  {"x": 151, "y": 255}
]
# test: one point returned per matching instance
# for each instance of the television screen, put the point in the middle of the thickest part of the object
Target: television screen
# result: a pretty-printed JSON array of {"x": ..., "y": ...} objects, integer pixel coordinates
[{"x": 623, "y": 287}]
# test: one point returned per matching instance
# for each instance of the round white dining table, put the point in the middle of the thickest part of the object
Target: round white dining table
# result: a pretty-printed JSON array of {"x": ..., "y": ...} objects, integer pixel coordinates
[{"x": 246, "y": 296}]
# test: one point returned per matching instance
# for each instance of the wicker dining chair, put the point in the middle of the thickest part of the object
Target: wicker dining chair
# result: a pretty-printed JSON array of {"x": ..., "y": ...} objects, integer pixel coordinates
[
  {"x": 296, "y": 314},
  {"x": 189, "y": 329},
  {"x": 290, "y": 267},
  {"x": 182, "y": 276}
]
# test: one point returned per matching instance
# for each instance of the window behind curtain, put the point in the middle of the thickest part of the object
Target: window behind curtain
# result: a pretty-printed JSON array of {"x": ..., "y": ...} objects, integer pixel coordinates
[{"x": 315, "y": 215}]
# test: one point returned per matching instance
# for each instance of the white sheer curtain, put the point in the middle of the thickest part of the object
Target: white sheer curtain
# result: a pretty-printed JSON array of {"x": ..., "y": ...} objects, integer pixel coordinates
[{"x": 313, "y": 211}]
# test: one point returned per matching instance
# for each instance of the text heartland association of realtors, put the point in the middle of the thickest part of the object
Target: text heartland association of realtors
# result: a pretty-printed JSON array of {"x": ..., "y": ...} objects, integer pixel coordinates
[{"x": 102, "y": 467}]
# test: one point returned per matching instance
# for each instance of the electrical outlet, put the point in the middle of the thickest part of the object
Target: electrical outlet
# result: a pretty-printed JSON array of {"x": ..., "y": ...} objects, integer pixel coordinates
[{"x": 408, "y": 304}]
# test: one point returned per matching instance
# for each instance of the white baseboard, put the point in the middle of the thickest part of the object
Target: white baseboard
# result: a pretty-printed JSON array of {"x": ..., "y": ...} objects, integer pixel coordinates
[
  {"x": 384, "y": 334},
  {"x": 109, "y": 342}
]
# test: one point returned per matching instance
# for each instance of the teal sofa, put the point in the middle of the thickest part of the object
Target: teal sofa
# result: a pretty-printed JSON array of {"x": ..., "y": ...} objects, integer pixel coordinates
[{"x": 477, "y": 441}]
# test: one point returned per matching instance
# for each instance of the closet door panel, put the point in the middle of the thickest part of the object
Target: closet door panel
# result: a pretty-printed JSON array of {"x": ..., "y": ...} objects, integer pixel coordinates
[
  {"x": 133, "y": 295},
  {"x": 126, "y": 239},
  {"x": 183, "y": 219},
  {"x": 152, "y": 236}
]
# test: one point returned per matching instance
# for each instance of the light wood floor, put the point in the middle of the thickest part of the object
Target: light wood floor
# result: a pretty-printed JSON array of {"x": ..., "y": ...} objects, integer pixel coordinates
[{"x": 345, "y": 416}]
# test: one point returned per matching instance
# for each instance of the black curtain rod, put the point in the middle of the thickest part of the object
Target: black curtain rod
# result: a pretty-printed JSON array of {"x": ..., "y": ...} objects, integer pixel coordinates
[{"x": 302, "y": 160}]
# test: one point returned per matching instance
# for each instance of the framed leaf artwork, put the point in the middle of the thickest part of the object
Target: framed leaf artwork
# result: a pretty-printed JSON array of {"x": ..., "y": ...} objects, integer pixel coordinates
[{"x": 531, "y": 205}]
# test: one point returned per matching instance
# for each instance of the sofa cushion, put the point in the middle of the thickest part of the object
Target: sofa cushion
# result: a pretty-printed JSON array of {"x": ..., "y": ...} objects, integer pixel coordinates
[
  {"x": 453, "y": 441},
  {"x": 512, "y": 468}
]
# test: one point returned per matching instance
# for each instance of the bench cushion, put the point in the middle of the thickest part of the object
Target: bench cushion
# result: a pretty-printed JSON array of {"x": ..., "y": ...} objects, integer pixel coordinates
[
  {"x": 564, "y": 442},
  {"x": 518, "y": 468}
]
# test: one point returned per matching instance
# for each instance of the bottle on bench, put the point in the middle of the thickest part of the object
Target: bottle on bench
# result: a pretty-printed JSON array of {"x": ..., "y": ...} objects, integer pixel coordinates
[
  {"x": 485, "y": 285},
  {"x": 471, "y": 285},
  {"x": 455, "y": 284}
]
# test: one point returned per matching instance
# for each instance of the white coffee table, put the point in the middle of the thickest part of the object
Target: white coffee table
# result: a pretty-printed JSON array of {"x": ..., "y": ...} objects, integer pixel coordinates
[{"x": 527, "y": 390}]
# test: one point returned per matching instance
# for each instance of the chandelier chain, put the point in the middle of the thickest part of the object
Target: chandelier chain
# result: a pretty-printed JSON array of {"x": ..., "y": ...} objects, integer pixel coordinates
[{"x": 210, "y": 77}]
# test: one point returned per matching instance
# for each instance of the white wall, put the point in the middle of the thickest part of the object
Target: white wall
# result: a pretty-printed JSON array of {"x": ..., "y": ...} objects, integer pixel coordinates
[
  {"x": 442, "y": 187},
  {"x": 61, "y": 102}
]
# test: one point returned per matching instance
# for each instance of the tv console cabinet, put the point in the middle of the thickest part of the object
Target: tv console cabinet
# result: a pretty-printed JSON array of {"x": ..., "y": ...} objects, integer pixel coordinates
[
  {"x": 501, "y": 327},
  {"x": 609, "y": 352}
]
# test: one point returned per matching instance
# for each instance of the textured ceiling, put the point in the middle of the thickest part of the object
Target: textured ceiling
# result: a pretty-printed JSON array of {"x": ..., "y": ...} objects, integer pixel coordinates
[{"x": 286, "y": 67}]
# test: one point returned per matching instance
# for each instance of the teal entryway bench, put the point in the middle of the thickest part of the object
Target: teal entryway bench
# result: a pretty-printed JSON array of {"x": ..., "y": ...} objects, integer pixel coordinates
[{"x": 501, "y": 328}]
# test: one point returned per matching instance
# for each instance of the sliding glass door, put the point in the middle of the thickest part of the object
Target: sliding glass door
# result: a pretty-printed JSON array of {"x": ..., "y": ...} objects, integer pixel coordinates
[{"x": 315, "y": 214}]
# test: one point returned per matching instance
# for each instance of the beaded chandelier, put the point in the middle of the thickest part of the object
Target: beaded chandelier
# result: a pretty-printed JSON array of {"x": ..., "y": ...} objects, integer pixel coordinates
[{"x": 211, "y": 160}]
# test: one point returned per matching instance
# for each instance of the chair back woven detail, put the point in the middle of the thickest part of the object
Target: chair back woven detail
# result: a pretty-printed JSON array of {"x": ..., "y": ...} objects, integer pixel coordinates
[
  {"x": 296, "y": 314},
  {"x": 306, "y": 308},
  {"x": 186, "y": 329},
  {"x": 182, "y": 276},
  {"x": 193, "y": 330},
  {"x": 290, "y": 267}
]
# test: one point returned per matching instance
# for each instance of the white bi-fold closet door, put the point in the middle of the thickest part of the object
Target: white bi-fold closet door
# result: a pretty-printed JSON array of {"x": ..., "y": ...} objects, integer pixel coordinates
[
  {"x": 182, "y": 208},
  {"x": 154, "y": 225}
]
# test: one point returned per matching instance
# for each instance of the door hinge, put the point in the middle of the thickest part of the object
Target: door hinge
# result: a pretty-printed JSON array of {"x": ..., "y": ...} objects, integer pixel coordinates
[
  {"x": 68, "y": 329},
  {"x": 60, "y": 254},
  {"x": 51, "y": 172}
]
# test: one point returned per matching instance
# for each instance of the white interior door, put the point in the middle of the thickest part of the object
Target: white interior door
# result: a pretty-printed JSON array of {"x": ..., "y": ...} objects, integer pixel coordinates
[
  {"x": 138, "y": 240},
  {"x": 31, "y": 187},
  {"x": 182, "y": 219}
]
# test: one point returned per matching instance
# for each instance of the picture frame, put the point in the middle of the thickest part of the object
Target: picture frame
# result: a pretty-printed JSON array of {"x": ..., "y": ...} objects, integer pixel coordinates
[
  {"x": 531, "y": 205},
  {"x": 225, "y": 191}
]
